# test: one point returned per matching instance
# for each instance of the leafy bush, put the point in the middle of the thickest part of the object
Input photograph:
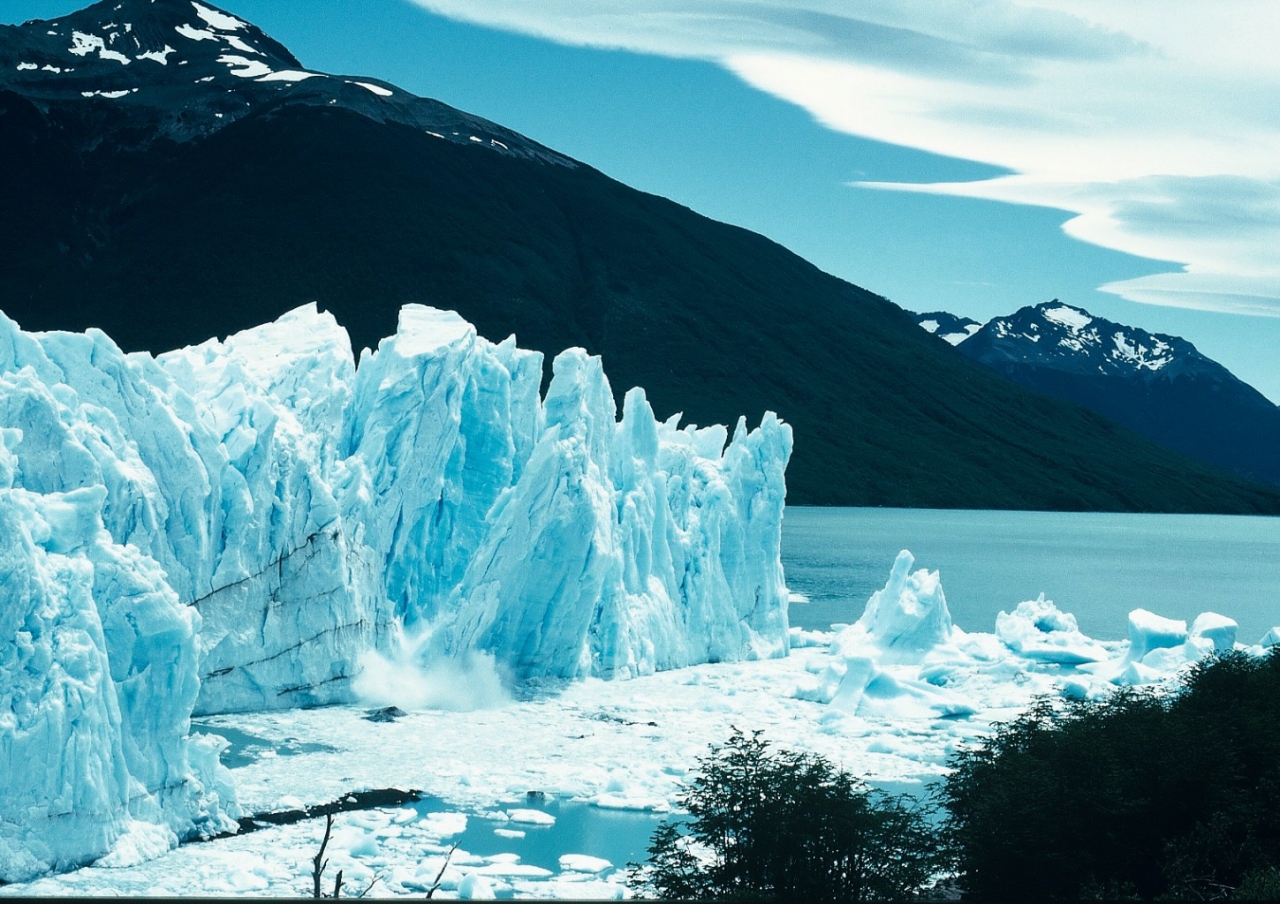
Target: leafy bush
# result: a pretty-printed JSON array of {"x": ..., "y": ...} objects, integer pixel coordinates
[
  {"x": 1141, "y": 795},
  {"x": 779, "y": 824}
]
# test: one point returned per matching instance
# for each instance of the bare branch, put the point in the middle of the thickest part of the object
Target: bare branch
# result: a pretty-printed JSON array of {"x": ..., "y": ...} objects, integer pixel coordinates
[
  {"x": 319, "y": 863},
  {"x": 440, "y": 875}
]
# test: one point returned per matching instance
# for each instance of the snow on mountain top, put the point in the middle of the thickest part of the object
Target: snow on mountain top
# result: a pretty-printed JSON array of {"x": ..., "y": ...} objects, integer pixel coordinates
[
  {"x": 218, "y": 20},
  {"x": 200, "y": 70},
  {"x": 947, "y": 326},
  {"x": 1061, "y": 336},
  {"x": 1072, "y": 318}
]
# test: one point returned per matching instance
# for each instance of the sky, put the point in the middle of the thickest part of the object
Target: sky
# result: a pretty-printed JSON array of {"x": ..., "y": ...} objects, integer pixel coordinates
[{"x": 973, "y": 156}]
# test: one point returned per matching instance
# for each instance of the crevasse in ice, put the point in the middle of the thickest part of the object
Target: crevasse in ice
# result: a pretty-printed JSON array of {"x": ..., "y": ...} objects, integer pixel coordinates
[{"x": 233, "y": 526}]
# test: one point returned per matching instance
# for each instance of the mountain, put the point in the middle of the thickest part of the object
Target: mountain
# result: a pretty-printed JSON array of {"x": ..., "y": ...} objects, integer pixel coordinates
[
  {"x": 1159, "y": 386},
  {"x": 171, "y": 173},
  {"x": 954, "y": 329}
]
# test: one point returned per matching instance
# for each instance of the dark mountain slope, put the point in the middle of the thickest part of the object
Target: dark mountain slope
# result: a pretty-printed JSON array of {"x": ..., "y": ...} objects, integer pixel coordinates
[{"x": 164, "y": 239}]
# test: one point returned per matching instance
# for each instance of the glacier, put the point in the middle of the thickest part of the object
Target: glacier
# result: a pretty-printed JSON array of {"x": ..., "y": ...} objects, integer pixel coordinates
[{"x": 236, "y": 526}]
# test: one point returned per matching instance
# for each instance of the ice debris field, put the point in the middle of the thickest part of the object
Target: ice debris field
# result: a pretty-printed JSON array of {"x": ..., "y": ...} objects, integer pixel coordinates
[{"x": 260, "y": 534}]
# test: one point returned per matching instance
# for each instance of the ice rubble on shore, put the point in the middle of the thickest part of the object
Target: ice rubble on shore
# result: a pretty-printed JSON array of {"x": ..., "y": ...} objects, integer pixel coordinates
[
  {"x": 904, "y": 659},
  {"x": 232, "y": 526}
]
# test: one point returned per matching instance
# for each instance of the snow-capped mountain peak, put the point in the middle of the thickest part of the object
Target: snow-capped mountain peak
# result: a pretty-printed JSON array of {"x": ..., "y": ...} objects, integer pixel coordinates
[
  {"x": 137, "y": 70},
  {"x": 1157, "y": 385},
  {"x": 1067, "y": 338}
]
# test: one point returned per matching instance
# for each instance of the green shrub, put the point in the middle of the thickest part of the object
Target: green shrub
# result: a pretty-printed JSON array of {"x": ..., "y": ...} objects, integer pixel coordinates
[
  {"x": 1141, "y": 795},
  {"x": 770, "y": 823}
]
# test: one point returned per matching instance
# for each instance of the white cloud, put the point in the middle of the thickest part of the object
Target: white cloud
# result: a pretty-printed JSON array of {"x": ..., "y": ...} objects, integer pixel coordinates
[{"x": 1157, "y": 122}]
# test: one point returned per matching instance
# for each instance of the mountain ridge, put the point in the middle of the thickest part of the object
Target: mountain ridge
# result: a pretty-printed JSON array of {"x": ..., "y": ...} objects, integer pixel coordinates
[
  {"x": 1158, "y": 385},
  {"x": 322, "y": 189}
]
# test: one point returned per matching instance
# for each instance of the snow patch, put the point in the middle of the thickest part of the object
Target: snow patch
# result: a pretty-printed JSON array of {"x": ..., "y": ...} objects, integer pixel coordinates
[
  {"x": 244, "y": 67},
  {"x": 240, "y": 44},
  {"x": 957, "y": 338},
  {"x": 376, "y": 89},
  {"x": 192, "y": 33},
  {"x": 24, "y": 67},
  {"x": 290, "y": 75},
  {"x": 157, "y": 56},
  {"x": 218, "y": 20},
  {"x": 1071, "y": 318},
  {"x": 84, "y": 44}
]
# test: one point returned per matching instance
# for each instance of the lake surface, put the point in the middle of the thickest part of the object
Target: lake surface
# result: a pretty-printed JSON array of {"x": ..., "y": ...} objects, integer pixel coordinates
[{"x": 1096, "y": 566}]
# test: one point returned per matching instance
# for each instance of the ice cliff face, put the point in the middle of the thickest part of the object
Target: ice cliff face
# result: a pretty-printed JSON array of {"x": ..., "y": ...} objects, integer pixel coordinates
[
  {"x": 96, "y": 690},
  {"x": 548, "y": 533},
  {"x": 233, "y": 526}
]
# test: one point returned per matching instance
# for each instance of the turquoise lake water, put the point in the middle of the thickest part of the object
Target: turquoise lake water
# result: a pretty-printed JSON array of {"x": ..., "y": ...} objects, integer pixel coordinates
[{"x": 1096, "y": 566}]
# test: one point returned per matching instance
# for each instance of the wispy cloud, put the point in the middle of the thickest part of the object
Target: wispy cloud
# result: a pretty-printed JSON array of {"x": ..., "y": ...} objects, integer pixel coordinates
[{"x": 1157, "y": 122}]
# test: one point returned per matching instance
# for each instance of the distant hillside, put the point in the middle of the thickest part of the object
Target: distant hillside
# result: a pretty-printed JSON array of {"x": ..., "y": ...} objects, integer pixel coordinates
[
  {"x": 171, "y": 173},
  {"x": 1159, "y": 386}
]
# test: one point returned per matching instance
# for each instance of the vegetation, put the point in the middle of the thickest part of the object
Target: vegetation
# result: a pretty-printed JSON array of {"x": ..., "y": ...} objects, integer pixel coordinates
[
  {"x": 1142, "y": 795},
  {"x": 784, "y": 825}
]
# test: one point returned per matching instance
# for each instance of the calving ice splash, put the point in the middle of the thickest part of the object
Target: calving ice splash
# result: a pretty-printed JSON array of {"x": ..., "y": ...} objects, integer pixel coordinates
[{"x": 241, "y": 525}]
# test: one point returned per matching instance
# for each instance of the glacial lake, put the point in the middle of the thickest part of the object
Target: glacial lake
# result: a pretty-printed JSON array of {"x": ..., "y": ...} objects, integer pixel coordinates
[{"x": 1096, "y": 566}]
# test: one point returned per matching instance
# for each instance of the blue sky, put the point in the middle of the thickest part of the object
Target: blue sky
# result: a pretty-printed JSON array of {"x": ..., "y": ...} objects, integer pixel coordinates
[{"x": 844, "y": 136}]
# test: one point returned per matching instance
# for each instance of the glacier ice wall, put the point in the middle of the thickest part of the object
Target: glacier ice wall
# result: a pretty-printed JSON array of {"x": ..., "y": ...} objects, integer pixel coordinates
[
  {"x": 303, "y": 505},
  {"x": 548, "y": 533},
  {"x": 96, "y": 689},
  {"x": 235, "y": 525}
]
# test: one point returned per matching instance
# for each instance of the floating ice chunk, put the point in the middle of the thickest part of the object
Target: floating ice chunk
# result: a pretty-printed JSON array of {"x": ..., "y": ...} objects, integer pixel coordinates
[
  {"x": 583, "y": 863},
  {"x": 531, "y": 817},
  {"x": 858, "y": 686},
  {"x": 803, "y": 638},
  {"x": 904, "y": 620},
  {"x": 1148, "y": 631},
  {"x": 1217, "y": 628},
  {"x": 475, "y": 887},
  {"x": 1038, "y": 630},
  {"x": 446, "y": 824},
  {"x": 1271, "y": 638}
]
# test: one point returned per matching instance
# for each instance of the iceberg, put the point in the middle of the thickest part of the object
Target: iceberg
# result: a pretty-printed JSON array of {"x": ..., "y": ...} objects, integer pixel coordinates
[
  {"x": 894, "y": 660},
  {"x": 240, "y": 525},
  {"x": 1039, "y": 630},
  {"x": 904, "y": 620}
]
